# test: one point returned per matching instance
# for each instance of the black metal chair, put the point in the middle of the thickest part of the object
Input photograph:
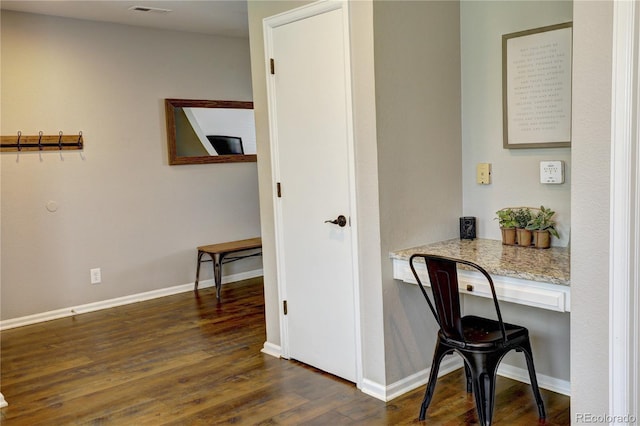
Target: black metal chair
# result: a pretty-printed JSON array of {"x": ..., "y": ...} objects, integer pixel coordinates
[{"x": 481, "y": 342}]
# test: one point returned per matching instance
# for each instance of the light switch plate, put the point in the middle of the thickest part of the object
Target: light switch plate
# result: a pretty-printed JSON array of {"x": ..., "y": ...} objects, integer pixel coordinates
[
  {"x": 552, "y": 172},
  {"x": 483, "y": 173}
]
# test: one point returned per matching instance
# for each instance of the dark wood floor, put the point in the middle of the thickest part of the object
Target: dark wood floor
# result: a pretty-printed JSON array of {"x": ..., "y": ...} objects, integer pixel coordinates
[{"x": 187, "y": 360}]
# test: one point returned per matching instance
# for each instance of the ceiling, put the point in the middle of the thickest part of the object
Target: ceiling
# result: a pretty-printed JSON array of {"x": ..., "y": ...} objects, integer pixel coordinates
[{"x": 217, "y": 17}]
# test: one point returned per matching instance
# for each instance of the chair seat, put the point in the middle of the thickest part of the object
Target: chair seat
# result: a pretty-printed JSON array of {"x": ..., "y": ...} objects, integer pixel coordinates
[{"x": 485, "y": 333}]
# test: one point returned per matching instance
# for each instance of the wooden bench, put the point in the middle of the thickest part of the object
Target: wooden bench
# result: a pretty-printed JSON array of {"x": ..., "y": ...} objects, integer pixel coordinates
[{"x": 218, "y": 253}]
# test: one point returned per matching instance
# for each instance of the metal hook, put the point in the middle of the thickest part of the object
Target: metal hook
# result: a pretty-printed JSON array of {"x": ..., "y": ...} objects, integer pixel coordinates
[
  {"x": 40, "y": 140},
  {"x": 18, "y": 142},
  {"x": 60, "y": 140},
  {"x": 80, "y": 139}
]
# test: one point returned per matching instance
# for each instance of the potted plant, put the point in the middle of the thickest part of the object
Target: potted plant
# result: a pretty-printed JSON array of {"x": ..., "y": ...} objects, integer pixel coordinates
[
  {"x": 522, "y": 217},
  {"x": 507, "y": 223},
  {"x": 543, "y": 227}
]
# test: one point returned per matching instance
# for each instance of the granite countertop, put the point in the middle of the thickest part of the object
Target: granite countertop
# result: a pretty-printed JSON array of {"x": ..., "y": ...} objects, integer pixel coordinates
[{"x": 527, "y": 263}]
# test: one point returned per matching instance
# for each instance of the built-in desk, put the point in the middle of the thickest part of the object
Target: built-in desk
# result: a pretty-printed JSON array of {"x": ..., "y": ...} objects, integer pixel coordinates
[{"x": 526, "y": 276}]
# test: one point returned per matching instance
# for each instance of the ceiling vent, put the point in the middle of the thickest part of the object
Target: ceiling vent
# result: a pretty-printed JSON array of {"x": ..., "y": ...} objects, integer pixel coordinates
[{"x": 149, "y": 9}]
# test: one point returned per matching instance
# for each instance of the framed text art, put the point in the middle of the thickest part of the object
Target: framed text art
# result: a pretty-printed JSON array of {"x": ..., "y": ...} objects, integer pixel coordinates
[{"x": 536, "y": 87}]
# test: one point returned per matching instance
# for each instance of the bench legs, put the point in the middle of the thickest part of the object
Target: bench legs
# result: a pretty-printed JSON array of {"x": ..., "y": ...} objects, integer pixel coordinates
[
  {"x": 200, "y": 253},
  {"x": 217, "y": 270}
]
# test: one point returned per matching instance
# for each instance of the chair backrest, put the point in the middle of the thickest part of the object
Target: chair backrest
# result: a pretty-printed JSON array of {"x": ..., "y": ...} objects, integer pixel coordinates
[
  {"x": 443, "y": 275},
  {"x": 226, "y": 145}
]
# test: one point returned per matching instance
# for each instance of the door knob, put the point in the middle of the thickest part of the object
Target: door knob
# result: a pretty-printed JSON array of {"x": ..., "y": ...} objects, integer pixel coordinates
[{"x": 341, "y": 221}]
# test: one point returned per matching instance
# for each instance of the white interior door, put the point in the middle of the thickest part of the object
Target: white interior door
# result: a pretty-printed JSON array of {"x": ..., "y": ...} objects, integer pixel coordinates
[{"x": 310, "y": 117}]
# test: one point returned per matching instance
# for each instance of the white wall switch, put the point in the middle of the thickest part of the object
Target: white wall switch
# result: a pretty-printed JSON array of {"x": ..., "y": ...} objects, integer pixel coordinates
[
  {"x": 483, "y": 173},
  {"x": 552, "y": 172}
]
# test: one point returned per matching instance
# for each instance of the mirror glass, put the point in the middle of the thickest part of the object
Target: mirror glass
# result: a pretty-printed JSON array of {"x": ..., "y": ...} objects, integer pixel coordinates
[{"x": 200, "y": 131}]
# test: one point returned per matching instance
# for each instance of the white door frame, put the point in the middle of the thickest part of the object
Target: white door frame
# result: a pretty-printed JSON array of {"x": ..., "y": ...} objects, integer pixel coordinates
[
  {"x": 624, "y": 274},
  {"x": 269, "y": 24}
]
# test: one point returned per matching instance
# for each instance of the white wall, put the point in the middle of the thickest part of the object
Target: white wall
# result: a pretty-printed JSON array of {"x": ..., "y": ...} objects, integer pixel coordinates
[
  {"x": 593, "y": 28},
  {"x": 368, "y": 198},
  {"x": 515, "y": 172},
  {"x": 121, "y": 207}
]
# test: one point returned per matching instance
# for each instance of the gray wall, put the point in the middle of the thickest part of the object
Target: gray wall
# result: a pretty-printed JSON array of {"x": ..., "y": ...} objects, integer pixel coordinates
[
  {"x": 121, "y": 207},
  {"x": 515, "y": 172},
  {"x": 417, "y": 75},
  {"x": 591, "y": 151},
  {"x": 372, "y": 257}
]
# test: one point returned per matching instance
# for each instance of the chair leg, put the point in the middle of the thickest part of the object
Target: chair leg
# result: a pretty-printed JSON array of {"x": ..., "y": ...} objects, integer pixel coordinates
[
  {"x": 439, "y": 353},
  {"x": 467, "y": 374},
  {"x": 483, "y": 372},
  {"x": 528, "y": 354}
]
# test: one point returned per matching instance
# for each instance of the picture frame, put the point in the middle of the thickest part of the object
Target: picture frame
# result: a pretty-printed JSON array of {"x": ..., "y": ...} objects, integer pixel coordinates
[
  {"x": 536, "y": 87},
  {"x": 195, "y": 127}
]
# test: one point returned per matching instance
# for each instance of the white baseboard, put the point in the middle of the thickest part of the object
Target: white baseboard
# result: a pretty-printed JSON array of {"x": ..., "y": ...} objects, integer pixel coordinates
[
  {"x": 374, "y": 389},
  {"x": 545, "y": 382},
  {"x": 450, "y": 364},
  {"x": 387, "y": 393},
  {"x": 271, "y": 349},
  {"x": 119, "y": 301}
]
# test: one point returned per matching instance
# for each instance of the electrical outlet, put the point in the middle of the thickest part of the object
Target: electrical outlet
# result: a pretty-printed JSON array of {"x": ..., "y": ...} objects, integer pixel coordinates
[{"x": 96, "y": 276}]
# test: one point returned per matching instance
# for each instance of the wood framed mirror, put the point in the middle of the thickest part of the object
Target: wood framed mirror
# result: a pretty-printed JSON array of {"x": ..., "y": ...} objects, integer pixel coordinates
[{"x": 202, "y": 131}]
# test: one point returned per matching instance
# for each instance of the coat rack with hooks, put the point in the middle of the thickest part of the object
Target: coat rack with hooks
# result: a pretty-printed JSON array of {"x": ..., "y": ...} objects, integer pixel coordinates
[{"x": 41, "y": 142}]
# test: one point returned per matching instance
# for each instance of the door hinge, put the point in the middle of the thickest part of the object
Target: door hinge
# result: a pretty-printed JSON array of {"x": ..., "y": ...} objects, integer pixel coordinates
[
  {"x": 279, "y": 190},
  {"x": 284, "y": 306},
  {"x": 272, "y": 65}
]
